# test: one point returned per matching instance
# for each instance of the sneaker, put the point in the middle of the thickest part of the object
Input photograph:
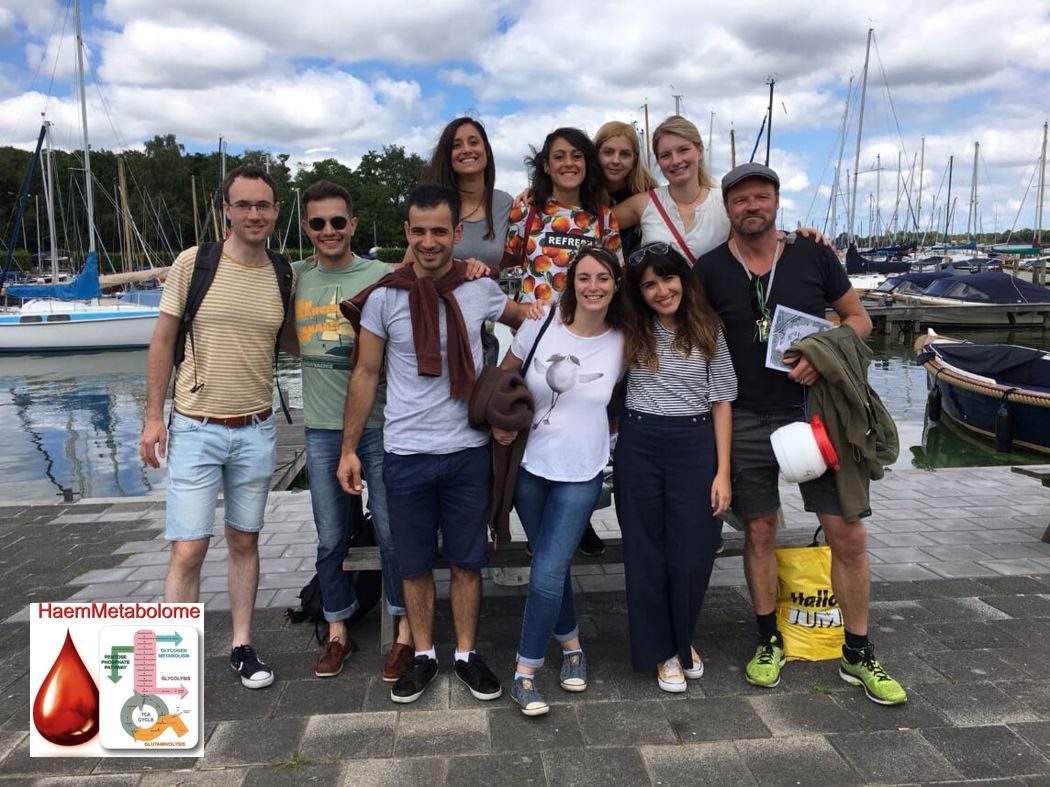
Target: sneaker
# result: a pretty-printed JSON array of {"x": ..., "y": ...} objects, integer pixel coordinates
[
  {"x": 696, "y": 671},
  {"x": 524, "y": 692},
  {"x": 421, "y": 672},
  {"x": 478, "y": 678},
  {"x": 397, "y": 660},
  {"x": 330, "y": 660},
  {"x": 764, "y": 668},
  {"x": 254, "y": 672},
  {"x": 591, "y": 545},
  {"x": 670, "y": 677},
  {"x": 721, "y": 546},
  {"x": 573, "y": 672},
  {"x": 867, "y": 672}
]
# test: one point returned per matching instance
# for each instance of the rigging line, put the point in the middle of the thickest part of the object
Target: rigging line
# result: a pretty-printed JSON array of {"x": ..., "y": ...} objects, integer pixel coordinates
[
  {"x": 889, "y": 97},
  {"x": 988, "y": 181},
  {"x": 1024, "y": 198},
  {"x": 36, "y": 75}
]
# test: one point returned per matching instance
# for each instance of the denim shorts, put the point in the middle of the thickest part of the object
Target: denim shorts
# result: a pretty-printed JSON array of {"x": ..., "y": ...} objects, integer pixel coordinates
[
  {"x": 756, "y": 474},
  {"x": 201, "y": 457},
  {"x": 426, "y": 493}
]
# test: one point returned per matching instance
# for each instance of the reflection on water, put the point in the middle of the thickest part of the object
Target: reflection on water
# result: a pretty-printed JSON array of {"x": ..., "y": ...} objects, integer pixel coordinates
[{"x": 73, "y": 422}]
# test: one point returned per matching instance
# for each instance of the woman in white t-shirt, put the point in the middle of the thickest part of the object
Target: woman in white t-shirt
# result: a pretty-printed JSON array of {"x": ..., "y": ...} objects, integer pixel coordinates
[
  {"x": 671, "y": 460},
  {"x": 576, "y": 364}
]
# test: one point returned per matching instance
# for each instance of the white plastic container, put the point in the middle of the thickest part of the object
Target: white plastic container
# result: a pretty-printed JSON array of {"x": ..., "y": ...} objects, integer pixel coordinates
[{"x": 803, "y": 450}]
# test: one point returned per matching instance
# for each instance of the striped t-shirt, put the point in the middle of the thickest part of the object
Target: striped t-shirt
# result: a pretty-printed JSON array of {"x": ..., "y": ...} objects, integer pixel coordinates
[
  {"x": 680, "y": 386},
  {"x": 234, "y": 333}
]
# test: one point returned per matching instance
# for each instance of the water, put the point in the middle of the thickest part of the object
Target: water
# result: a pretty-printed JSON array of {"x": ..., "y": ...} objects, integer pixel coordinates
[{"x": 73, "y": 422}]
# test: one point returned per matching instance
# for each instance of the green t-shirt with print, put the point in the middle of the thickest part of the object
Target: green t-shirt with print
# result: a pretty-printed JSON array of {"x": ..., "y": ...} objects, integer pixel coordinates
[{"x": 326, "y": 338}]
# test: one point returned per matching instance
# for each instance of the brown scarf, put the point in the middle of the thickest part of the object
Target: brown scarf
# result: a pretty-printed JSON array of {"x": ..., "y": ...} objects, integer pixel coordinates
[{"x": 424, "y": 295}]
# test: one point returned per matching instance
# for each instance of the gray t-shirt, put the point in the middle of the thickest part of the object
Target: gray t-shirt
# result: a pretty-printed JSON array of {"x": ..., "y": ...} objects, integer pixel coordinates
[
  {"x": 473, "y": 243},
  {"x": 420, "y": 416}
]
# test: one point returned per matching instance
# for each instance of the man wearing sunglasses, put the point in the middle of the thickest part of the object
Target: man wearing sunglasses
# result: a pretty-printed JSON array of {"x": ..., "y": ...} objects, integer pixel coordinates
[
  {"x": 758, "y": 268},
  {"x": 326, "y": 340}
]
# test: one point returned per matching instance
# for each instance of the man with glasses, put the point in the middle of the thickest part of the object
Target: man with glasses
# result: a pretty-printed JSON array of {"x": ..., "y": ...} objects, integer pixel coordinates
[
  {"x": 326, "y": 339},
  {"x": 222, "y": 431},
  {"x": 745, "y": 279}
]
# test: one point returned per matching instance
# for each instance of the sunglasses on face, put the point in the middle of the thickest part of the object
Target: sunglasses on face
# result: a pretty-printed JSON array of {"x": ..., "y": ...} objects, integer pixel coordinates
[
  {"x": 338, "y": 223},
  {"x": 639, "y": 256}
]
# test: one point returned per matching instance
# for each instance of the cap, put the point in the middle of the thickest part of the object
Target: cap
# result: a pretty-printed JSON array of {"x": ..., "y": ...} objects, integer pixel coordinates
[{"x": 749, "y": 170}]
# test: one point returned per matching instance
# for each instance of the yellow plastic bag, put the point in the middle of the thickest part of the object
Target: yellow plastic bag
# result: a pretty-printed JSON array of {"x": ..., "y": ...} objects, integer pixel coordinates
[{"x": 808, "y": 616}]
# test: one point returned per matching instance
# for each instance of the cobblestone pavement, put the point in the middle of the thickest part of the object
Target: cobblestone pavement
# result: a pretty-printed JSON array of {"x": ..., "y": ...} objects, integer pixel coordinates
[{"x": 961, "y": 599}]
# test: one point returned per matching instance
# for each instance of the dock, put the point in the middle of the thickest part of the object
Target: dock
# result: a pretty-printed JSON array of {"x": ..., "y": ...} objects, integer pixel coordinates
[
  {"x": 960, "y": 601},
  {"x": 904, "y": 318},
  {"x": 291, "y": 450}
]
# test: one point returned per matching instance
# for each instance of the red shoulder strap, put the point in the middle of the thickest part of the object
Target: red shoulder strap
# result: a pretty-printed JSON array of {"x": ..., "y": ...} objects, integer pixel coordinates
[
  {"x": 525, "y": 234},
  {"x": 670, "y": 225}
]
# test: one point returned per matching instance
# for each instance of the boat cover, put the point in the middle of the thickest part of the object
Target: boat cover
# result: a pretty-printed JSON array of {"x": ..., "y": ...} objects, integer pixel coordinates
[
  {"x": 82, "y": 287},
  {"x": 1007, "y": 364},
  {"x": 856, "y": 264},
  {"x": 996, "y": 286}
]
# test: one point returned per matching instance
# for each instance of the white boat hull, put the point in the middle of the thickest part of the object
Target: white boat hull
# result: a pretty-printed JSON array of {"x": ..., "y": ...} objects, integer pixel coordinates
[{"x": 51, "y": 326}]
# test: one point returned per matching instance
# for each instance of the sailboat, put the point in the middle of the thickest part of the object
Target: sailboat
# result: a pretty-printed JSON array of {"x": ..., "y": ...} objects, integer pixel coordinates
[{"x": 73, "y": 316}]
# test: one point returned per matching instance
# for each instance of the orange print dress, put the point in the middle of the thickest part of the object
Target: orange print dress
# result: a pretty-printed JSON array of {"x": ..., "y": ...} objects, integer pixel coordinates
[{"x": 555, "y": 233}]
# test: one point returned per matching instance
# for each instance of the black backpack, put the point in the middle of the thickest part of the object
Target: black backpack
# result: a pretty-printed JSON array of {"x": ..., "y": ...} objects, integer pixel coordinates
[
  {"x": 204, "y": 268},
  {"x": 368, "y": 585}
]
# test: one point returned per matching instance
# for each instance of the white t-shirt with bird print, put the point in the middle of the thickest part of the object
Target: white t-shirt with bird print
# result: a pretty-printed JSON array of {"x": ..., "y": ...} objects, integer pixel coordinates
[{"x": 571, "y": 379}]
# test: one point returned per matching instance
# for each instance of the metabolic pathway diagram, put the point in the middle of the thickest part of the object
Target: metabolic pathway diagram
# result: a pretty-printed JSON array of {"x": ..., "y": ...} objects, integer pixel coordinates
[{"x": 149, "y": 683}]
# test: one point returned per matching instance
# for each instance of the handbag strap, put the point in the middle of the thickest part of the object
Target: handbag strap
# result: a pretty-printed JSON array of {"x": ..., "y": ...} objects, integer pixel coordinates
[
  {"x": 525, "y": 235},
  {"x": 535, "y": 344},
  {"x": 670, "y": 225}
]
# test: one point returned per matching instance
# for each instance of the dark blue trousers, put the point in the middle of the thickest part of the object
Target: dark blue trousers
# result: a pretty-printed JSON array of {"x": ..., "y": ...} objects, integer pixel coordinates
[{"x": 663, "y": 469}]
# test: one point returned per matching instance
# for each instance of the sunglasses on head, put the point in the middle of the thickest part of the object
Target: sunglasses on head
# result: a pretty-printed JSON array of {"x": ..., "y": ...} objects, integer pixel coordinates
[
  {"x": 317, "y": 223},
  {"x": 639, "y": 256}
]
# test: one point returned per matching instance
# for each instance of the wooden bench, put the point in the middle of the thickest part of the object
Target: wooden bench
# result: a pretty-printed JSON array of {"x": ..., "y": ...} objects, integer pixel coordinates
[
  {"x": 1040, "y": 473},
  {"x": 513, "y": 555}
]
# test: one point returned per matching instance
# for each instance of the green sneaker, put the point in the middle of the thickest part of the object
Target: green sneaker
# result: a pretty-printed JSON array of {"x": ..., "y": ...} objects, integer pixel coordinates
[
  {"x": 764, "y": 667},
  {"x": 867, "y": 672}
]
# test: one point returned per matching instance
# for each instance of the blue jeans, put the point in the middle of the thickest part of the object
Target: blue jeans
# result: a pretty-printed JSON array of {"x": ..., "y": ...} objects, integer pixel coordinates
[
  {"x": 332, "y": 517},
  {"x": 555, "y": 514}
]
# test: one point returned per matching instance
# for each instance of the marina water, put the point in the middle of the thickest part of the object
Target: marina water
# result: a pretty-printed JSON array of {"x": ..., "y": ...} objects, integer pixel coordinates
[{"x": 72, "y": 422}]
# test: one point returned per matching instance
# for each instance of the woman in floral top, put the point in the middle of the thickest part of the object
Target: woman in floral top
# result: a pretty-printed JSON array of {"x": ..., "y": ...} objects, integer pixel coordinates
[{"x": 565, "y": 211}]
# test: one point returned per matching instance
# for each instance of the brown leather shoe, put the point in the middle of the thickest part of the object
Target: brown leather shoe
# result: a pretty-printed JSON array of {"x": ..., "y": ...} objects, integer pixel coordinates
[
  {"x": 397, "y": 661},
  {"x": 330, "y": 660}
]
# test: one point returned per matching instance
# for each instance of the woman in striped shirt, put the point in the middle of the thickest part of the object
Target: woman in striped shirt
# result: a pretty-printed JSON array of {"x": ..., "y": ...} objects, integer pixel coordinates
[{"x": 671, "y": 459}]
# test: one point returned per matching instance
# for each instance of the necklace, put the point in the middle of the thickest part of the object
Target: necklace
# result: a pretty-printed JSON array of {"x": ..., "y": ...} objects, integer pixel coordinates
[
  {"x": 475, "y": 209},
  {"x": 693, "y": 201}
]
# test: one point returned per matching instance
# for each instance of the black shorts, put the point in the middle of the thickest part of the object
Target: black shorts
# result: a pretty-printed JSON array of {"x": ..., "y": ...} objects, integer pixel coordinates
[{"x": 755, "y": 471}]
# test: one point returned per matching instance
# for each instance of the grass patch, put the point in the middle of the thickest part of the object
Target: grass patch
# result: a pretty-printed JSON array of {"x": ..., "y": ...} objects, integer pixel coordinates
[
  {"x": 819, "y": 690},
  {"x": 293, "y": 760}
]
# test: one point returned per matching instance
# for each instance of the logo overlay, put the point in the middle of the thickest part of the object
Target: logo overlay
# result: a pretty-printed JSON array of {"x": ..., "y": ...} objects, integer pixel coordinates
[{"x": 115, "y": 679}]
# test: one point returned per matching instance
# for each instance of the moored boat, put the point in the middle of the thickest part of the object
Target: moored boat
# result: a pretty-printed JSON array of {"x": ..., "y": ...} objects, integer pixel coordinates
[{"x": 1000, "y": 392}]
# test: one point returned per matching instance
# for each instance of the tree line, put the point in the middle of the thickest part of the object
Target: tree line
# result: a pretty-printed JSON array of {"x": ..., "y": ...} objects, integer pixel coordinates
[{"x": 161, "y": 181}]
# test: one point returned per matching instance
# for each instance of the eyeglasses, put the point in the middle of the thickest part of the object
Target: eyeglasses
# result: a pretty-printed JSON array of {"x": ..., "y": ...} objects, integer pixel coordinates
[
  {"x": 246, "y": 207},
  {"x": 317, "y": 223},
  {"x": 650, "y": 248}
]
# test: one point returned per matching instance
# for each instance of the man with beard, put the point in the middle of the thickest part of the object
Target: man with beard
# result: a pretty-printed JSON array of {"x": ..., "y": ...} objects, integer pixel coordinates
[{"x": 758, "y": 268}]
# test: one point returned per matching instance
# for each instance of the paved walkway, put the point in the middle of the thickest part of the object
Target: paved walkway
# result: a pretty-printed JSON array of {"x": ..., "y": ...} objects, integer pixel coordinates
[{"x": 961, "y": 602}]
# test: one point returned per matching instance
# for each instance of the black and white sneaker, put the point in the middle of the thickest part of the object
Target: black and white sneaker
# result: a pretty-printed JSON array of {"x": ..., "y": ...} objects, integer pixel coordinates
[
  {"x": 477, "y": 677},
  {"x": 255, "y": 673},
  {"x": 421, "y": 672}
]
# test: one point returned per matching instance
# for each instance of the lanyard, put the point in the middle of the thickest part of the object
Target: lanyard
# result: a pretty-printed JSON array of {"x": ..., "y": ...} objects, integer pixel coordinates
[{"x": 763, "y": 297}]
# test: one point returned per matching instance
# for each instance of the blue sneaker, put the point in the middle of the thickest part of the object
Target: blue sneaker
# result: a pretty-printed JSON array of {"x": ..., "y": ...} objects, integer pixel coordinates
[
  {"x": 574, "y": 671},
  {"x": 528, "y": 697}
]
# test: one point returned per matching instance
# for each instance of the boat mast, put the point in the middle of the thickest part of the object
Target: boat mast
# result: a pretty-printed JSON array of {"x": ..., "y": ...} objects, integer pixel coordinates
[
  {"x": 922, "y": 166},
  {"x": 860, "y": 130},
  {"x": 835, "y": 187},
  {"x": 89, "y": 198},
  {"x": 948, "y": 202},
  {"x": 877, "y": 231},
  {"x": 1042, "y": 187},
  {"x": 972, "y": 215},
  {"x": 49, "y": 204}
]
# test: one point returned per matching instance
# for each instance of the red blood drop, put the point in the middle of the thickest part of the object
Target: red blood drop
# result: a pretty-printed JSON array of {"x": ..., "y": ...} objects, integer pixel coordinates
[{"x": 65, "y": 710}]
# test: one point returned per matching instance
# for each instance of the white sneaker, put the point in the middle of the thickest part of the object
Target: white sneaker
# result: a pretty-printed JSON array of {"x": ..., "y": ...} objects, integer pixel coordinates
[
  {"x": 697, "y": 670},
  {"x": 670, "y": 677}
]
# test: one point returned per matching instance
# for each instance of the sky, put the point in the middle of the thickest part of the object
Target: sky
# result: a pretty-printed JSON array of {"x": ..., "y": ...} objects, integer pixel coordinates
[{"x": 337, "y": 78}]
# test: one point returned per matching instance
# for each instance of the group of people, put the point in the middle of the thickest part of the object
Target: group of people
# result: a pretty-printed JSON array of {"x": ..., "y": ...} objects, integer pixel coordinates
[{"x": 638, "y": 331}]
